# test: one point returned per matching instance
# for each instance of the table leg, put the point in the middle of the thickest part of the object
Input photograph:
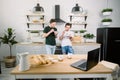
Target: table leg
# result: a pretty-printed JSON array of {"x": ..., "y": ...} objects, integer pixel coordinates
[
  {"x": 109, "y": 77},
  {"x": 15, "y": 77}
]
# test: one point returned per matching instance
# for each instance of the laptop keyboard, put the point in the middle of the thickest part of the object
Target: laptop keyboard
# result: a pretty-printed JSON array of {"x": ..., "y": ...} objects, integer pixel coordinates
[{"x": 83, "y": 64}]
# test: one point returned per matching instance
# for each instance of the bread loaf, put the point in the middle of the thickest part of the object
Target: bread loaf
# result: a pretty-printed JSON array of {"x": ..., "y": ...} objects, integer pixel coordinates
[
  {"x": 41, "y": 59},
  {"x": 36, "y": 60}
]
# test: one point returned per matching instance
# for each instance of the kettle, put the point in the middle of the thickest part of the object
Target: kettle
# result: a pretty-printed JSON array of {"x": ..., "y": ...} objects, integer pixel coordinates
[{"x": 23, "y": 61}]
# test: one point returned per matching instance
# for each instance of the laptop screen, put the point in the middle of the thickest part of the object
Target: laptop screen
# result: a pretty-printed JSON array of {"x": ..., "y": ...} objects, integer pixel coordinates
[{"x": 93, "y": 58}]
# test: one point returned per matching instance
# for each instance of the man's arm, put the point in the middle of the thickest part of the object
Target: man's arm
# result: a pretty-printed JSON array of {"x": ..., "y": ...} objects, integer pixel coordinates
[
  {"x": 72, "y": 35},
  {"x": 71, "y": 38},
  {"x": 62, "y": 36},
  {"x": 55, "y": 33}
]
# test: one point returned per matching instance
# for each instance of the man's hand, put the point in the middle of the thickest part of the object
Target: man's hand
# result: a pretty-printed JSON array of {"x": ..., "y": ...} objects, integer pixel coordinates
[
  {"x": 63, "y": 32},
  {"x": 55, "y": 32},
  {"x": 61, "y": 37},
  {"x": 52, "y": 30},
  {"x": 47, "y": 34}
]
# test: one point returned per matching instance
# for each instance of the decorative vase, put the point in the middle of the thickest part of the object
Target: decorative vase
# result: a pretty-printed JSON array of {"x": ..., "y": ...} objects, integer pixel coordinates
[{"x": 10, "y": 62}]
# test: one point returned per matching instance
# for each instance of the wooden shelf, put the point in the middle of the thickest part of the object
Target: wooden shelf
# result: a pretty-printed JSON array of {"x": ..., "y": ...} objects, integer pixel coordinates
[
  {"x": 38, "y": 21},
  {"x": 35, "y": 15},
  {"x": 78, "y": 22},
  {"x": 29, "y": 30},
  {"x": 28, "y": 24},
  {"x": 78, "y": 15}
]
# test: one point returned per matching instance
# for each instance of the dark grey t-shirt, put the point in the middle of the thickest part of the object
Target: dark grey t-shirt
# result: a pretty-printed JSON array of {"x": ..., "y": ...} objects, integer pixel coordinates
[{"x": 50, "y": 40}]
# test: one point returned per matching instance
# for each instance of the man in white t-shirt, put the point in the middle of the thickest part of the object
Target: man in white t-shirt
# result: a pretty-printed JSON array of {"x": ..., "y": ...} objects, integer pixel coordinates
[{"x": 66, "y": 40}]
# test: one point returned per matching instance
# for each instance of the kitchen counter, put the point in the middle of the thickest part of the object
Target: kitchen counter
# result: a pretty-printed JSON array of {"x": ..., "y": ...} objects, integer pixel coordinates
[
  {"x": 82, "y": 44},
  {"x": 38, "y": 48},
  {"x": 30, "y": 43},
  {"x": 42, "y": 44}
]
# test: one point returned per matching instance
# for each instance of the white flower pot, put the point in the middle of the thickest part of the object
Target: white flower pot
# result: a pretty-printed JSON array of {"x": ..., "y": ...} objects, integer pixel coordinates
[
  {"x": 107, "y": 13},
  {"x": 106, "y": 23},
  {"x": 88, "y": 40},
  {"x": 77, "y": 34}
]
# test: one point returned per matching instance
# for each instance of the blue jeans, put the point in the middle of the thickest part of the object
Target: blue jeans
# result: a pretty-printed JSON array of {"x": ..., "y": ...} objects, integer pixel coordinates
[
  {"x": 67, "y": 50},
  {"x": 50, "y": 49}
]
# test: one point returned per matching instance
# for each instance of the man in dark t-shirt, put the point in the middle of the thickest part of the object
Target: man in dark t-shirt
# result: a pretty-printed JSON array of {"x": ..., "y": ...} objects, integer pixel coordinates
[{"x": 50, "y": 33}]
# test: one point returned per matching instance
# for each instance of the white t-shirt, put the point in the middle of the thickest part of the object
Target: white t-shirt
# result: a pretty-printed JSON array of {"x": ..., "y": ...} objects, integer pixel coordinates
[{"x": 66, "y": 40}]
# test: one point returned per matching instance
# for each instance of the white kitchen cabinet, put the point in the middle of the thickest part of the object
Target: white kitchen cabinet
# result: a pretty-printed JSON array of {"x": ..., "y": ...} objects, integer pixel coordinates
[
  {"x": 33, "y": 48},
  {"x": 84, "y": 47}
]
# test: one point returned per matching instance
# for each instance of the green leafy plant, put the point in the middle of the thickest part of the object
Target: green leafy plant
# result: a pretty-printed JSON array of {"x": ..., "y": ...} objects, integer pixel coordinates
[
  {"x": 107, "y": 20},
  {"x": 83, "y": 31},
  {"x": 76, "y": 31},
  {"x": 35, "y": 31},
  {"x": 88, "y": 36},
  {"x": 9, "y": 38},
  {"x": 107, "y": 10}
]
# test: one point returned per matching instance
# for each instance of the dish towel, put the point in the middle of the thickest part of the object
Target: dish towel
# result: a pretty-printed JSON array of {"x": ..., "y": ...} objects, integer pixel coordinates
[{"x": 115, "y": 67}]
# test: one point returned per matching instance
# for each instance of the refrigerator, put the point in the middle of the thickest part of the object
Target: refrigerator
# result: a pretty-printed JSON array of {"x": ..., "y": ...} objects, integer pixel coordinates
[
  {"x": 109, "y": 38},
  {"x": 0, "y": 67}
]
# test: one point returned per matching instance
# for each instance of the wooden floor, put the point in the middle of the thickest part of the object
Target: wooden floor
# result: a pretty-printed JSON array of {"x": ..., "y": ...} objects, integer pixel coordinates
[{"x": 6, "y": 73}]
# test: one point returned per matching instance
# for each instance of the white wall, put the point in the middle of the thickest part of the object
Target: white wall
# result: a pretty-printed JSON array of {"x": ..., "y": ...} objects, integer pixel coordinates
[{"x": 12, "y": 14}]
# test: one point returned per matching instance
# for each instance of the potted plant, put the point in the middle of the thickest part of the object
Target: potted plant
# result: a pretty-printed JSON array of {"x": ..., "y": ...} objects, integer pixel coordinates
[
  {"x": 88, "y": 37},
  {"x": 34, "y": 33},
  {"x": 106, "y": 21},
  {"x": 76, "y": 33},
  {"x": 82, "y": 31},
  {"x": 107, "y": 11},
  {"x": 9, "y": 39}
]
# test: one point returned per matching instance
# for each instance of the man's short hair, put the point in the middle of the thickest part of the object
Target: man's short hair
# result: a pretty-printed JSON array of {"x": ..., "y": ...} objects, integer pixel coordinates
[
  {"x": 52, "y": 20},
  {"x": 68, "y": 24}
]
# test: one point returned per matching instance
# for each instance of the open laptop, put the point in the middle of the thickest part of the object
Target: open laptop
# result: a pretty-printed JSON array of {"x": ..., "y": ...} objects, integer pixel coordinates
[{"x": 91, "y": 61}]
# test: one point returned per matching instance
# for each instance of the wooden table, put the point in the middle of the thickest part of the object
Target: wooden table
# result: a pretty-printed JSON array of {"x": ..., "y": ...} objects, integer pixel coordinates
[{"x": 64, "y": 70}]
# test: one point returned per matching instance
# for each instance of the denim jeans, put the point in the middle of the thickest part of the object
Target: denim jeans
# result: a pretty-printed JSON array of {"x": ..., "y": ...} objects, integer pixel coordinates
[
  {"x": 67, "y": 50},
  {"x": 50, "y": 49}
]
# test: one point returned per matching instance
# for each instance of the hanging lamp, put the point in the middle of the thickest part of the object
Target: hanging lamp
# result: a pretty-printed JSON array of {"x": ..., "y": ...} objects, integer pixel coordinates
[
  {"x": 77, "y": 9},
  {"x": 38, "y": 8}
]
